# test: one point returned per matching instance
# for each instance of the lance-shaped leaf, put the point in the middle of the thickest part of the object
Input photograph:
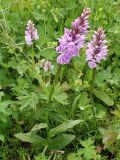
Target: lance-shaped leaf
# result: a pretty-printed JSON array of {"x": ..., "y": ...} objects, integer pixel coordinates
[
  {"x": 39, "y": 126},
  {"x": 61, "y": 141},
  {"x": 103, "y": 97},
  {"x": 31, "y": 138},
  {"x": 63, "y": 127}
]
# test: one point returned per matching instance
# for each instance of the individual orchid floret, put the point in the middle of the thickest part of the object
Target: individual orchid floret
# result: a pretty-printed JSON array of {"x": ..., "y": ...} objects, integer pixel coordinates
[
  {"x": 97, "y": 49},
  {"x": 31, "y": 33},
  {"x": 73, "y": 39}
]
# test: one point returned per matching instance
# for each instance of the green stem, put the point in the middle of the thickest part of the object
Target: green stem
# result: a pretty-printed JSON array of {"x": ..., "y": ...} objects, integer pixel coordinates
[
  {"x": 42, "y": 83},
  {"x": 39, "y": 78},
  {"x": 33, "y": 53},
  {"x": 43, "y": 153},
  {"x": 55, "y": 81},
  {"x": 91, "y": 96},
  {"x": 49, "y": 158}
]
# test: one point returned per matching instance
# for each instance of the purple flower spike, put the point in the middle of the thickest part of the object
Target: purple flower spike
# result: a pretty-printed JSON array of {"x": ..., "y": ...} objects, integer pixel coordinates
[
  {"x": 81, "y": 24},
  {"x": 73, "y": 39},
  {"x": 97, "y": 49},
  {"x": 31, "y": 33}
]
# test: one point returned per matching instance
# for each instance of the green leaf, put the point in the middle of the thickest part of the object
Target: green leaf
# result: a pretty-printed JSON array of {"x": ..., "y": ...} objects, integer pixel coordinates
[
  {"x": 63, "y": 127},
  {"x": 3, "y": 107},
  {"x": 39, "y": 126},
  {"x": 40, "y": 157},
  {"x": 30, "y": 100},
  {"x": 89, "y": 150},
  {"x": 61, "y": 98},
  {"x": 87, "y": 143},
  {"x": 5, "y": 103},
  {"x": 103, "y": 97},
  {"x": 48, "y": 53},
  {"x": 73, "y": 156},
  {"x": 54, "y": 15},
  {"x": 61, "y": 141},
  {"x": 2, "y": 138},
  {"x": 59, "y": 95},
  {"x": 31, "y": 138}
]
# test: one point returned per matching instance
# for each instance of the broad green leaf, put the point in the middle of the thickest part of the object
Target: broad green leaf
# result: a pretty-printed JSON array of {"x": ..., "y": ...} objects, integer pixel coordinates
[
  {"x": 31, "y": 138},
  {"x": 103, "y": 97},
  {"x": 48, "y": 53},
  {"x": 39, "y": 126},
  {"x": 63, "y": 127},
  {"x": 59, "y": 95},
  {"x": 61, "y": 141}
]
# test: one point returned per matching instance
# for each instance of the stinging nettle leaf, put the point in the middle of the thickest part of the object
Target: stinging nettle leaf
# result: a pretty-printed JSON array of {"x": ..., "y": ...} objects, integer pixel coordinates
[{"x": 103, "y": 97}]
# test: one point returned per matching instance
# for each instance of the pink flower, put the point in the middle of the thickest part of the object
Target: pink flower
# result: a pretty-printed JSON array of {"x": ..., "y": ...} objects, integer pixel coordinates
[
  {"x": 97, "y": 49},
  {"x": 47, "y": 66},
  {"x": 73, "y": 39},
  {"x": 31, "y": 33}
]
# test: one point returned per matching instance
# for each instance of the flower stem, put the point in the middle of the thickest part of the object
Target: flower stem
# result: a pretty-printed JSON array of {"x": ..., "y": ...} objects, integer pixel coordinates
[
  {"x": 91, "y": 96},
  {"x": 33, "y": 53},
  {"x": 55, "y": 81}
]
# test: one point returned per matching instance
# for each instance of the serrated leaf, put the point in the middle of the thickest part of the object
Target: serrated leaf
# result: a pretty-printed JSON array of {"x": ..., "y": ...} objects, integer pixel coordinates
[
  {"x": 63, "y": 127},
  {"x": 28, "y": 100},
  {"x": 73, "y": 156},
  {"x": 61, "y": 98},
  {"x": 59, "y": 95},
  {"x": 3, "y": 107},
  {"x": 103, "y": 97},
  {"x": 31, "y": 138},
  {"x": 39, "y": 126},
  {"x": 40, "y": 157},
  {"x": 61, "y": 141},
  {"x": 87, "y": 143}
]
